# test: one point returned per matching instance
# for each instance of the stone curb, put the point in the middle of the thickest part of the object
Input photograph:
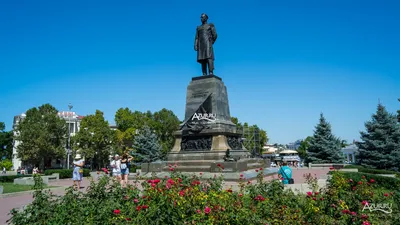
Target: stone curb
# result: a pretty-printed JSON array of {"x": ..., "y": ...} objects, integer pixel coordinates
[{"x": 14, "y": 194}]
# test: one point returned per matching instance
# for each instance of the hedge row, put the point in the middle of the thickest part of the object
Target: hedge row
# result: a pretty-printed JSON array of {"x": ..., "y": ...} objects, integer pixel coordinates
[
  {"x": 66, "y": 173},
  {"x": 385, "y": 182},
  {"x": 369, "y": 170},
  {"x": 10, "y": 178}
]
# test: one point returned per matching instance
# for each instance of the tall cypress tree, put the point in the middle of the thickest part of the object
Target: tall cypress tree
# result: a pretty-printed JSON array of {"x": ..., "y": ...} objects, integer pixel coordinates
[
  {"x": 381, "y": 141},
  {"x": 324, "y": 147}
]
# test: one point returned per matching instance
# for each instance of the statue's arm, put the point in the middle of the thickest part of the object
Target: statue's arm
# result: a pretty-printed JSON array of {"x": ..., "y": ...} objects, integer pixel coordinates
[
  {"x": 213, "y": 32},
  {"x": 196, "y": 41}
]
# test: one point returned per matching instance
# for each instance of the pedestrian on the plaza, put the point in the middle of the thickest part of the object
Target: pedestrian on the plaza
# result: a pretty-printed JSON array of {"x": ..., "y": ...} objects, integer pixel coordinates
[
  {"x": 285, "y": 174},
  {"x": 116, "y": 167},
  {"x": 4, "y": 170},
  {"x": 76, "y": 177},
  {"x": 125, "y": 163}
]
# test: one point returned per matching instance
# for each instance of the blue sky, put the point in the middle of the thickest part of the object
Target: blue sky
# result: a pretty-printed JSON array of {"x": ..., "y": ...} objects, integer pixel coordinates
[{"x": 283, "y": 62}]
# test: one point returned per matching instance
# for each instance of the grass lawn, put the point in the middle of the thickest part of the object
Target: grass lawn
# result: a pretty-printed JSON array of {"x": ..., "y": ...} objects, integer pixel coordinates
[{"x": 10, "y": 187}]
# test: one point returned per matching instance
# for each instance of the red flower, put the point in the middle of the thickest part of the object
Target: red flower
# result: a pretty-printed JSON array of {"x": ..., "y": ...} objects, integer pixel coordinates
[
  {"x": 314, "y": 198},
  {"x": 331, "y": 168},
  {"x": 145, "y": 206},
  {"x": 363, "y": 177},
  {"x": 170, "y": 181},
  {"x": 354, "y": 188},
  {"x": 222, "y": 209},
  {"x": 359, "y": 182},
  {"x": 201, "y": 174},
  {"x": 249, "y": 182},
  {"x": 346, "y": 211},
  {"x": 156, "y": 181},
  {"x": 316, "y": 193},
  {"x": 364, "y": 202},
  {"x": 353, "y": 213},
  {"x": 128, "y": 219},
  {"x": 207, "y": 210},
  {"x": 171, "y": 169},
  {"x": 219, "y": 165},
  {"x": 261, "y": 168},
  {"x": 182, "y": 193},
  {"x": 259, "y": 198},
  {"x": 198, "y": 211},
  {"x": 372, "y": 181},
  {"x": 257, "y": 171},
  {"x": 240, "y": 195},
  {"x": 386, "y": 194},
  {"x": 117, "y": 211},
  {"x": 153, "y": 184},
  {"x": 364, "y": 217},
  {"x": 135, "y": 200},
  {"x": 322, "y": 198},
  {"x": 241, "y": 175},
  {"x": 309, "y": 194},
  {"x": 229, "y": 190},
  {"x": 366, "y": 223},
  {"x": 138, "y": 208}
]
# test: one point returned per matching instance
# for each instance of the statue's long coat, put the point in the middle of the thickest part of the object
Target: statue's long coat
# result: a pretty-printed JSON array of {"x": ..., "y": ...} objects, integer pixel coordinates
[{"x": 206, "y": 35}]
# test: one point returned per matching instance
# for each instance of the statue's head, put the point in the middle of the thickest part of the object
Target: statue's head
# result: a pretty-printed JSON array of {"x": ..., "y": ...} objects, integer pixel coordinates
[{"x": 204, "y": 18}]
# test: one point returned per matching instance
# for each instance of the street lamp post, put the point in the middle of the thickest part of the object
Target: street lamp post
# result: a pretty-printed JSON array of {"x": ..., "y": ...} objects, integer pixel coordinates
[{"x": 69, "y": 135}]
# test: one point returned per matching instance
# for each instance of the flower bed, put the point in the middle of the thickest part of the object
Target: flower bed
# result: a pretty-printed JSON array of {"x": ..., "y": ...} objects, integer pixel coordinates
[{"x": 191, "y": 200}]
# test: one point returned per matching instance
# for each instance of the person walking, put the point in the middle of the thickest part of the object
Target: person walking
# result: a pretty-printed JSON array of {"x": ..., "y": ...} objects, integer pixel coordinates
[
  {"x": 285, "y": 173},
  {"x": 76, "y": 177},
  {"x": 4, "y": 170}
]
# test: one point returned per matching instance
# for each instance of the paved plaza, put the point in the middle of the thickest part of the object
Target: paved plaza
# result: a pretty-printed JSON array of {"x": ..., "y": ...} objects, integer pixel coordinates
[{"x": 18, "y": 200}]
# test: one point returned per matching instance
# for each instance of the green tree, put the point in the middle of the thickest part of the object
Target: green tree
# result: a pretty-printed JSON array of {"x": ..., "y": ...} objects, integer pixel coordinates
[
  {"x": 398, "y": 113},
  {"x": 95, "y": 140},
  {"x": 7, "y": 163},
  {"x": 128, "y": 123},
  {"x": 146, "y": 146},
  {"x": 304, "y": 144},
  {"x": 6, "y": 142},
  {"x": 164, "y": 124},
  {"x": 324, "y": 147},
  {"x": 380, "y": 143},
  {"x": 42, "y": 135}
]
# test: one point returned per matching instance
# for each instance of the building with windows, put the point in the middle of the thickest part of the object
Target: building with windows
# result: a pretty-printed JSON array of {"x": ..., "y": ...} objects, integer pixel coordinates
[
  {"x": 294, "y": 145},
  {"x": 71, "y": 118}
]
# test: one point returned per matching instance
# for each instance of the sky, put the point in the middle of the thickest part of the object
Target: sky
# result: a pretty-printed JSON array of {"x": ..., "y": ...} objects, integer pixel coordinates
[{"x": 283, "y": 62}]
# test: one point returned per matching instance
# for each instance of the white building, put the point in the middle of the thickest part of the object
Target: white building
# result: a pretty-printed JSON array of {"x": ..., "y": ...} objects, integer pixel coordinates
[
  {"x": 350, "y": 152},
  {"x": 71, "y": 118}
]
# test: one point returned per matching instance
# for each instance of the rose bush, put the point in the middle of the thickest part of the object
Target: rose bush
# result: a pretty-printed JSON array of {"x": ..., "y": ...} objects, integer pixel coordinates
[{"x": 180, "y": 199}]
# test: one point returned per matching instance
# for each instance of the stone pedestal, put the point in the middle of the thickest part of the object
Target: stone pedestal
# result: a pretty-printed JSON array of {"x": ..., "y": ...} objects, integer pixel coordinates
[{"x": 206, "y": 134}]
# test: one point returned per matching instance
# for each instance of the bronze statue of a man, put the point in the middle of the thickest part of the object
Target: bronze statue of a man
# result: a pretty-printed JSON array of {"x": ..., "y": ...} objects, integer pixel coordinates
[{"x": 206, "y": 35}]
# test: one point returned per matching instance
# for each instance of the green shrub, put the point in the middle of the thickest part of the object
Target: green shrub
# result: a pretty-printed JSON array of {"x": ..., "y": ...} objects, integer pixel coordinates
[
  {"x": 6, "y": 163},
  {"x": 10, "y": 178},
  {"x": 370, "y": 170},
  {"x": 184, "y": 199},
  {"x": 66, "y": 173},
  {"x": 384, "y": 182}
]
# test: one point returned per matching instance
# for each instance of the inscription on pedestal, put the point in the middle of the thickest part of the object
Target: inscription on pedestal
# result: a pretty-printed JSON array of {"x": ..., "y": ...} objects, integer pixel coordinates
[{"x": 194, "y": 143}]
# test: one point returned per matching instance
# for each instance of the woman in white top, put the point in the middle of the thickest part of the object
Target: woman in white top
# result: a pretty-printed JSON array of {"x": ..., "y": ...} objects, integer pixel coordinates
[
  {"x": 116, "y": 167},
  {"x": 76, "y": 177}
]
